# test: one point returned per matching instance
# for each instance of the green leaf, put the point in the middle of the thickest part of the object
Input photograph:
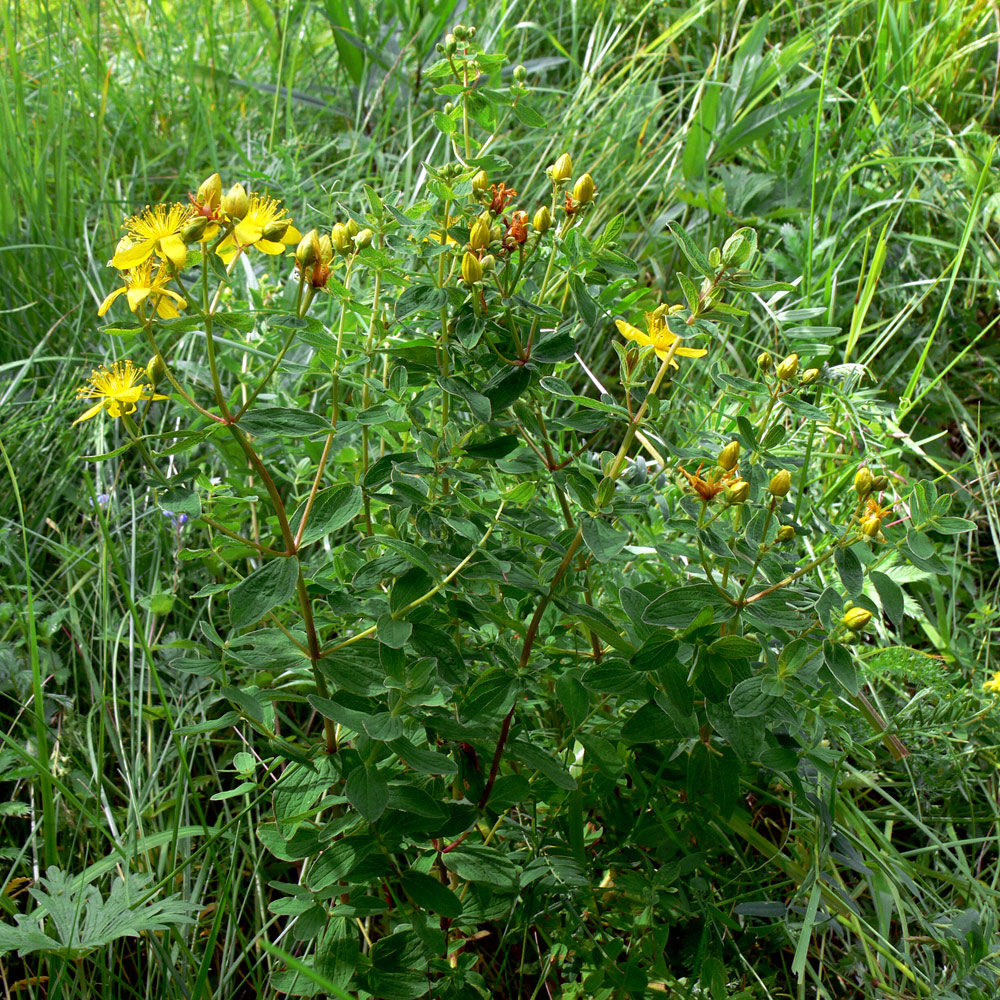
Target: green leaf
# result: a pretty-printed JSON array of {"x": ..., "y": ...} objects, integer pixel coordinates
[
  {"x": 367, "y": 791},
  {"x": 648, "y": 725},
  {"x": 890, "y": 594},
  {"x": 602, "y": 539},
  {"x": 849, "y": 567},
  {"x": 745, "y": 734},
  {"x": 446, "y": 124},
  {"x": 528, "y": 116},
  {"x": 281, "y": 421},
  {"x": 680, "y": 607},
  {"x": 748, "y": 700},
  {"x": 420, "y": 298},
  {"x": 689, "y": 290},
  {"x": 840, "y": 662},
  {"x": 688, "y": 247},
  {"x": 422, "y": 760},
  {"x": 180, "y": 501},
  {"x": 331, "y": 510},
  {"x": 735, "y": 647},
  {"x": 428, "y": 893},
  {"x": 656, "y": 652},
  {"x": 489, "y": 698},
  {"x": 482, "y": 865},
  {"x": 392, "y": 632},
  {"x": 501, "y": 392},
  {"x": 496, "y": 448},
  {"x": 264, "y": 589},
  {"x": 953, "y": 525},
  {"x": 298, "y": 790}
]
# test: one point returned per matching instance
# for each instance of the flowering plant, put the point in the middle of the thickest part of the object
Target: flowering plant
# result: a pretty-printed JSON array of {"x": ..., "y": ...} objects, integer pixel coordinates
[{"x": 476, "y": 560}]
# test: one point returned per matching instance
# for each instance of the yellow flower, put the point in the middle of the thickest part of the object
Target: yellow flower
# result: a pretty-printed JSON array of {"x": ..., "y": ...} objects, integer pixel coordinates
[
  {"x": 140, "y": 284},
  {"x": 117, "y": 390},
  {"x": 156, "y": 230},
  {"x": 993, "y": 684},
  {"x": 659, "y": 337},
  {"x": 264, "y": 226}
]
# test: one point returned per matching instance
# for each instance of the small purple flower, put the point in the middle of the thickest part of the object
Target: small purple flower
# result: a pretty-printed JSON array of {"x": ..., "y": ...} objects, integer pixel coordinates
[
  {"x": 101, "y": 500},
  {"x": 177, "y": 520}
]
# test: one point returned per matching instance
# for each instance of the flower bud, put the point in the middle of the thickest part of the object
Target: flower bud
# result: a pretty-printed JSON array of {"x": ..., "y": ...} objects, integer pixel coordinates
[
  {"x": 736, "y": 250},
  {"x": 193, "y": 230},
  {"x": 479, "y": 235},
  {"x": 325, "y": 248},
  {"x": 871, "y": 527},
  {"x": 863, "y": 481},
  {"x": 764, "y": 361},
  {"x": 480, "y": 181},
  {"x": 729, "y": 457},
  {"x": 352, "y": 228},
  {"x": 210, "y": 192},
  {"x": 856, "y": 619},
  {"x": 364, "y": 239},
  {"x": 520, "y": 73},
  {"x": 460, "y": 31},
  {"x": 235, "y": 203},
  {"x": 497, "y": 233},
  {"x": 156, "y": 369},
  {"x": 489, "y": 263},
  {"x": 562, "y": 169},
  {"x": 786, "y": 533},
  {"x": 341, "y": 240},
  {"x": 472, "y": 270},
  {"x": 781, "y": 483},
  {"x": 450, "y": 44},
  {"x": 274, "y": 231},
  {"x": 788, "y": 368},
  {"x": 809, "y": 376},
  {"x": 542, "y": 221},
  {"x": 880, "y": 483},
  {"x": 307, "y": 252},
  {"x": 583, "y": 190},
  {"x": 737, "y": 492}
]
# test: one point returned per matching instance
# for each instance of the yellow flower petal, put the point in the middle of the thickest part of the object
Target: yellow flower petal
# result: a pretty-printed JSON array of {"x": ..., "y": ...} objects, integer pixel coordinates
[
  {"x": 267, "y": 246},
  {"x": 106, "y": 304},
  {"x": 133, "y": 255},
  {"x": 92, "y": 412},
  {"x": 292, "y": 235},
  {"x": 630, "y": 332},
  {"x": 175, "y": 250},
  {"x": 247, "y": 233},
  {"x": 136, "y": 297},
  {"x": 165, "y": 309},
  {"x": 691, "y": 352}
]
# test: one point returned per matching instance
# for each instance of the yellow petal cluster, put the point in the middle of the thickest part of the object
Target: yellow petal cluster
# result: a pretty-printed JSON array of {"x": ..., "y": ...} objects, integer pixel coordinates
[
  {"x": 117, "y": 389},
  {"x": 659, "y": 337}
]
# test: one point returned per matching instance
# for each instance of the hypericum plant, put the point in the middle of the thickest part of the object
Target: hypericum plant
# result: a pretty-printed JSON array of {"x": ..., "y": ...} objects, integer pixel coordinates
[{"x": 547, "y": 626}]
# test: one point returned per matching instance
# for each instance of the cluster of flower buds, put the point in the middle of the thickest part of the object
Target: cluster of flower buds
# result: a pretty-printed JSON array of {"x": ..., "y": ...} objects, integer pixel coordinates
[
  {"x": 315, "y": 252},
  {"x": 868, "y": 486},
  {"x": 788, "y": 369},
  {"x": 459, "y": 36}
]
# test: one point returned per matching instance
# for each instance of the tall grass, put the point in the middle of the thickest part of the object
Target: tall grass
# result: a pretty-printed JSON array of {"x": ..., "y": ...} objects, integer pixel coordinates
[{"x": 842, "y": 131}]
